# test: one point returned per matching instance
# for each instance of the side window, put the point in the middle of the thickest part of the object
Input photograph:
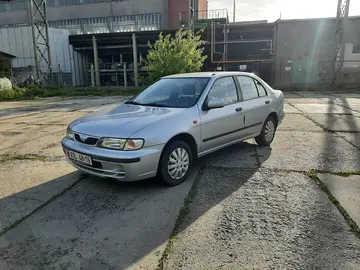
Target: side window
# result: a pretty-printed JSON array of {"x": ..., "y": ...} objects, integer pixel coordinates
[
  {"x": 260, "y": 88},
  {"x": 248, "y": 87},
  {"x": 224, "y": 88}
]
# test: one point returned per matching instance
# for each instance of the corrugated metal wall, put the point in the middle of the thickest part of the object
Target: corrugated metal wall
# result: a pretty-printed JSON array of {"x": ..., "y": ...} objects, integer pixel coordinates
[{"x": 18, "y": 41}]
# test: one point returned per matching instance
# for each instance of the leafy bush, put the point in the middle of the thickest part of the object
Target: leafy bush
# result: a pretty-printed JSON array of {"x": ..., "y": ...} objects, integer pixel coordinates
[
  {"x": 170, "y": 55},
  {"x": 14, "y": 93},
  {"x": 30, "y": 92}
]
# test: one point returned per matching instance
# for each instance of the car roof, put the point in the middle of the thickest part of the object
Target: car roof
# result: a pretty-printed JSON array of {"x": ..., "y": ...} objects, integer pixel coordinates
[{"x": 207, "y": 74}]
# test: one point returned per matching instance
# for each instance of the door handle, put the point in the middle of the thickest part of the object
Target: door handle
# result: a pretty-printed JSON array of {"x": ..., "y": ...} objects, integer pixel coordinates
[
  {"x": 238, "y": 109},
  {"x": 267, "y": 102}
]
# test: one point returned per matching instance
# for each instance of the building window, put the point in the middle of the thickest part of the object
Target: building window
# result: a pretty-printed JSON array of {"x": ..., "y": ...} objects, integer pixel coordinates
[{"x": 356, "y": 49}]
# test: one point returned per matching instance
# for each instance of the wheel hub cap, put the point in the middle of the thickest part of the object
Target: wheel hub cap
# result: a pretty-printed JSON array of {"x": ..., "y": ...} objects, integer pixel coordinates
[
  {"x": 178, "y": 164},
  {"x": 269, "y": 131}
]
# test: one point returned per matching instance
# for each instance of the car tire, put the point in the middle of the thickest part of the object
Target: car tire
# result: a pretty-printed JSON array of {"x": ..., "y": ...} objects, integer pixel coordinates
[
  {"x": 267, "y": 134},
  {"x": 175, "y": 163}
]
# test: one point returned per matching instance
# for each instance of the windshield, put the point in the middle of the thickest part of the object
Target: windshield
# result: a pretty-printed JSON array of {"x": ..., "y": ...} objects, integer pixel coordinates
[{"x": 172, "y": 92}]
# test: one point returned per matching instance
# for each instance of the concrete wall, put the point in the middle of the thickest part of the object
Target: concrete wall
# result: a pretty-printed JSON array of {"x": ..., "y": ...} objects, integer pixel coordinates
[
  {"x": 175, "y": 8},
  {"x": 202, "y": 6},
  {"x": 313, "y": 39},
  {"x": 100, "y": 9}
]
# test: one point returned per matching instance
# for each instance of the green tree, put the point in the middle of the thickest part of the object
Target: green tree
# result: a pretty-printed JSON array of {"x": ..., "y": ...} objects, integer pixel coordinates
[{"x": 170, "y": 55}]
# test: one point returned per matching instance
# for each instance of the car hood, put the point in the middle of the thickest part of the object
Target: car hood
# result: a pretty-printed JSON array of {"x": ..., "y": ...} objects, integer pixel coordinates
[{"x": 121, "y": 121}]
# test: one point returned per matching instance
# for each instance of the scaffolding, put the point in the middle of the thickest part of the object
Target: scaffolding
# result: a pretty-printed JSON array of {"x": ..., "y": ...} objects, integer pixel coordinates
[
  {"x": 341, "y": 21},
  {"x": 41, "y": 43}
]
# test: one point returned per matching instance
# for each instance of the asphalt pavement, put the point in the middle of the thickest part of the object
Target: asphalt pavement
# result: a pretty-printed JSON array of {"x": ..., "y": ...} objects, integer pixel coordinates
[{"x": 291, "y": 205}]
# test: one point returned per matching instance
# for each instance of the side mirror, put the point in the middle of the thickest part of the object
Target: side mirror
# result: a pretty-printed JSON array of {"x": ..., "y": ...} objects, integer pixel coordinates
[{"x": 215, "y": 103}]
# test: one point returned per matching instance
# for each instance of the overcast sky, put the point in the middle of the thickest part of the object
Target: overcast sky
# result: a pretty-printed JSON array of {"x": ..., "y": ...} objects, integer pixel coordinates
[{"x": 249, "y": 10}]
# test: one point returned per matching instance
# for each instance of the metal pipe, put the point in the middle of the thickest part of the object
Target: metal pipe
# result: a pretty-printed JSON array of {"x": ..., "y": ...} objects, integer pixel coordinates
[
  {"x": 234, "y": 10},
  {"x": 189, "y": 17},
  {"x": 215, "y": 52},
  {"x": 224, "y": 54},
  {"x": 246, "y": 41},
  {"x": 125, "y": 76},
  {"x": 109, "y": 47},
  {"x": 92, "y": 75},
  {"x": 228, "y": 61}
]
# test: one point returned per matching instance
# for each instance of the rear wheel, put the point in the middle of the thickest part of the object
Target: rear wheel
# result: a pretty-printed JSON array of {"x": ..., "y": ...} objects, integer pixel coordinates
[
  {"x": 175, "y": 163},
  {"x": 267, "y": 134}
]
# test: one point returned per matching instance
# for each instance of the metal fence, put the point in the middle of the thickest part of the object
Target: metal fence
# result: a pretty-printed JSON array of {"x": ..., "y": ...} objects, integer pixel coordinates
[{"x": 25, "y": 76}]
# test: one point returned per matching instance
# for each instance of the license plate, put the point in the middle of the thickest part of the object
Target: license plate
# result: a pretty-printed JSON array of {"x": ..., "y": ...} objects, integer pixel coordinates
[{"x": 80, "y": 157}]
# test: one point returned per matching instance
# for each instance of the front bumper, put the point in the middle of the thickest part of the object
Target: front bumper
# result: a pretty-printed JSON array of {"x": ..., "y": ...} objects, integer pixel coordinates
[{"x": 122, "y": 165}]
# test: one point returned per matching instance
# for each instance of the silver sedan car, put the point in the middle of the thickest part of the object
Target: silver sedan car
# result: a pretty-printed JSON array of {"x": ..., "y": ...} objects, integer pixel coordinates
[{"x": 164, "y": 129}]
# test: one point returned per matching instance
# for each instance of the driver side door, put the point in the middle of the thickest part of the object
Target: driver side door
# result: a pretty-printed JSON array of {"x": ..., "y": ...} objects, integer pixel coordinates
[{"x": 221, "y": 126}]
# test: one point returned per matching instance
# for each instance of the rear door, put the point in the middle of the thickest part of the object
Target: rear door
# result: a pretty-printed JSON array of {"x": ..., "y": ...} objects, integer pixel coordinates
[
  {"x": 222, "y": 125},
  {"x": 256, "y": 104}
]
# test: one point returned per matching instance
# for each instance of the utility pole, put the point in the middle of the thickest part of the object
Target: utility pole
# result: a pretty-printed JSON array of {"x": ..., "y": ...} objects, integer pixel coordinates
[
  {"x": 341, "y": 22},
  {"x": 136, "y": 70},
  {"x": 191, "y": 18},
  {"x": 234, "y": 11},
  {"x": 96, "y": 62}
]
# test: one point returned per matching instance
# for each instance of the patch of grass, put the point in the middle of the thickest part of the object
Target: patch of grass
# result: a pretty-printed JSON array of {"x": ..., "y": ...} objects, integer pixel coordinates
[
  {"x": 185, "y": 210},
  {"x": 312, "y": 174},
  {"x": 7, "y": 157},
  {"x": 347, "y": 174},
  {"x": 33, "y": 92}
]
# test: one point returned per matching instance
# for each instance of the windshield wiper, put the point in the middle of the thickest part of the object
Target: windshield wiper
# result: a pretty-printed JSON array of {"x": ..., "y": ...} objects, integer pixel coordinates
[
  {"x": 153, "y": 104},
  {"x": 133, "y": 102}
]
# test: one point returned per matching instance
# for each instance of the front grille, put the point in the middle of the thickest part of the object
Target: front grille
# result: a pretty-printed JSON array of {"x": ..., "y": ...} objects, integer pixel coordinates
[{"x": 86, "y": 139}]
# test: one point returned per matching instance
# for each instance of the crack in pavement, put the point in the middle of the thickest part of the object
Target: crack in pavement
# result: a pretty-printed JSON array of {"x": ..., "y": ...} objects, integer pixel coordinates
[
  {"x": 353, "y": 226},
  {"x": 326, "y": 129},
  {"x": 30, "y": 157},
  {"x": 49, "y": 133},
  {"x": 33, "y": 124},
  {"x": 194, "y": 189},
  {"x": 27, "y": 198}
]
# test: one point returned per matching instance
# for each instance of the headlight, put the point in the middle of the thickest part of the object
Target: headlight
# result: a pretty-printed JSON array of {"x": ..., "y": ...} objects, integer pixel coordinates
[
  {"x": 69, "y": 134},
  {"x": 113, "y": 143},
  {"x": 122, "y": 144}
]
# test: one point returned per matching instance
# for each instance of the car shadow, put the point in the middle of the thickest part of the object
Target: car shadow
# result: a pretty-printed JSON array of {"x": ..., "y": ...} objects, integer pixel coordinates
[{"x": 92, "y": 223}]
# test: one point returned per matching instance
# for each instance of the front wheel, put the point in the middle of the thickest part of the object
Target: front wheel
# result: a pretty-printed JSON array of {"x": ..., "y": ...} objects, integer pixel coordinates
[
  {"x": 267, "y": 133},
  {"x": 175, "y": 163}
]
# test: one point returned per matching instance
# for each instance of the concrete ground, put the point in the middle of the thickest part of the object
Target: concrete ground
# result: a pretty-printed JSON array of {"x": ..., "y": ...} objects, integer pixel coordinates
[{"x": 292, "y": 205}]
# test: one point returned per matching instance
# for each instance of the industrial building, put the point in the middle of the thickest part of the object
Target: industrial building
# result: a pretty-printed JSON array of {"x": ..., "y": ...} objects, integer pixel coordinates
[
  {"x": 5, "y": 63},
  {"x": 116, "y": 34},
  {"x": 18, "y": 42},
  {"x": 305, "y": 51},
  {"x": 100, "y": 16}
]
